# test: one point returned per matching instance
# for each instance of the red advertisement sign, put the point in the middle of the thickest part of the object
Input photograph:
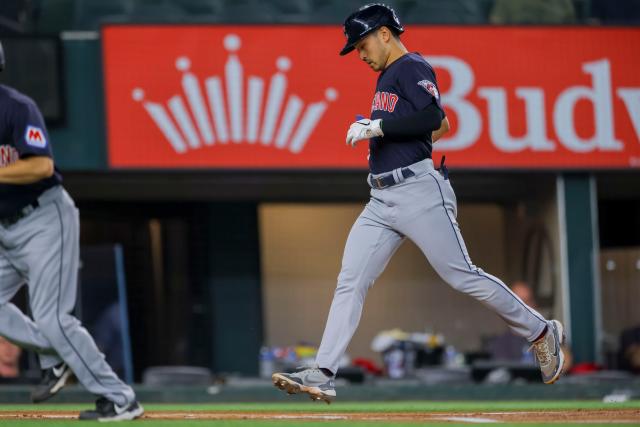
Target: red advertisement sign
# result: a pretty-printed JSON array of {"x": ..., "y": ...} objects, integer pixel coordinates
[{"x": 280, "y": 97}]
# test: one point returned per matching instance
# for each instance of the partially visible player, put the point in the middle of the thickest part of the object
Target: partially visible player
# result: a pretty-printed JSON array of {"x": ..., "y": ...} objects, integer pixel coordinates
[
  {"x": 409, "y": 199},
  {"x": 39, "y": 246}
]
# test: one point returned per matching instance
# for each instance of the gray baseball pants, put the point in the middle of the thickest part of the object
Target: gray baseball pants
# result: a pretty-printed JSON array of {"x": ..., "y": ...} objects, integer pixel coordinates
[
  {"x": 42, "y": 250},
  {"x": 422, "y": 208}
]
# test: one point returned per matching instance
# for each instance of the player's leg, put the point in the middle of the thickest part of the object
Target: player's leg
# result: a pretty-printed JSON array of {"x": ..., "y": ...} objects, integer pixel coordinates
[
  {"x": 369, "y": 247},
  {"x": 437, "y": 234},
  {"x": 22, "y": 331},
  {"x": 52, "y": 254},
  {"x": 14, "y": 324}
]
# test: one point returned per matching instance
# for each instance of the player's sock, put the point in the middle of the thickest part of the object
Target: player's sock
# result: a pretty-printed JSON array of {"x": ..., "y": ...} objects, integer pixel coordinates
[
  {"x": 544, "y": 331},
  {"x": 327, "y": 372}
]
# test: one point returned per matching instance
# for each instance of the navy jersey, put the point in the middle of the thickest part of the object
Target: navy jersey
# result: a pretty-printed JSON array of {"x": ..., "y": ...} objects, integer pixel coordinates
[
  {"x": 22, "y": 134},
  {"x": 406, "y": 86}
]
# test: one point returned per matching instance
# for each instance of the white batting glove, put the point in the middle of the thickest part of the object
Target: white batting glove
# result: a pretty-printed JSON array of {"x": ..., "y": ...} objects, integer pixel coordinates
[{"x": 363, "y": 129}]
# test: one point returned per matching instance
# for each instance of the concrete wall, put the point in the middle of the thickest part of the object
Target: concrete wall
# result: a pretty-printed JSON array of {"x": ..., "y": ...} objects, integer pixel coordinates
[{"x": 533, "y": 242}]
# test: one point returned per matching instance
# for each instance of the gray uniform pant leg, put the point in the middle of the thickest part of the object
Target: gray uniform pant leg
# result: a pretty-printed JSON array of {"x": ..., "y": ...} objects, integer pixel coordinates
[
  {"x": 369, "y": 247},
  {"x": 14, "y": 324},
  {"x": 424, "y": 209},
  {"x": 47, "y": 247},
  {"x": 429, "y": 220}
]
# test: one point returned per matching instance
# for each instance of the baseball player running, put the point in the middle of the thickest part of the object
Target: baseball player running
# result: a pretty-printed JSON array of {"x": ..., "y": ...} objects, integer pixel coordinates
[
  {"x": 39, "y": 240},
  {"x": 409, "y": 199}
]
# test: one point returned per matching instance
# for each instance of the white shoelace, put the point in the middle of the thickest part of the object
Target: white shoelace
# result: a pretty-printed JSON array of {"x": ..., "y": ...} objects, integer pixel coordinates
[{"x": 542, "y": 351}]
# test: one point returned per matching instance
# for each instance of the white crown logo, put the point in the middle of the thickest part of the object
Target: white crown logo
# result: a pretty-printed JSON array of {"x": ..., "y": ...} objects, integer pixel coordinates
[{"x": 245, "y": 125}]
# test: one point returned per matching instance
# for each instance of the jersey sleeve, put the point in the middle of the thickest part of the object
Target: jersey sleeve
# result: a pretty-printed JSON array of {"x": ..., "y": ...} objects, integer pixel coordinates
[
  {"x": 30, "y": 135},
  {"x": 419, "y": 86}
]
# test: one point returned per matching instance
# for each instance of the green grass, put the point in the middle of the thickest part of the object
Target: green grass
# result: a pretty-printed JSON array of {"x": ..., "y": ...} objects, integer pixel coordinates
[{"x": 300, "y": 405}]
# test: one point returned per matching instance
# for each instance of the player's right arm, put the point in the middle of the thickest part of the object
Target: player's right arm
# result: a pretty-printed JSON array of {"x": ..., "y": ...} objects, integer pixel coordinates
[
  {"x": 27, "y": 171},
  {"x": 444, "y": 128},
  {"x": 31, "y": 141}
]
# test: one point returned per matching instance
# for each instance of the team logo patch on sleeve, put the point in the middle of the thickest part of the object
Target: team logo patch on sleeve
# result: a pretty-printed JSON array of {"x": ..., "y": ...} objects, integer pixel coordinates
[
  {"x": 429, "y": 87},
  {"x": 34, "y": 136}
]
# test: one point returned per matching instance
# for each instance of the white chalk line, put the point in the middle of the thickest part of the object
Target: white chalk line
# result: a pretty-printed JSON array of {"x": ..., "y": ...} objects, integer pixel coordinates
[{"x": 474, "y": 420}]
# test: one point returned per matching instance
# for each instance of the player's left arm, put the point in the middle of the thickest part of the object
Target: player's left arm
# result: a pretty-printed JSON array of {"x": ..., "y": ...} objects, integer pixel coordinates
[
  {"x": 444, "y": 128},
  {"x": 416, "y": 125},
  {"x": 418, "y": 86},
  {"x": 27, "y": 171}
]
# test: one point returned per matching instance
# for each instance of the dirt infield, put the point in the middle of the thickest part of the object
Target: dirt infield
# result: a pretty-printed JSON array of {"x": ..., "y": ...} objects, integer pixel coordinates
[{"x": 575, "y": 416}]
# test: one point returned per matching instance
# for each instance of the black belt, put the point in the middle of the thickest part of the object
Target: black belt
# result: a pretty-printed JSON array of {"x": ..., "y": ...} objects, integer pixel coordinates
[
  {"x": 9, "y": 220},
  {"x": 388, "y": 180}
]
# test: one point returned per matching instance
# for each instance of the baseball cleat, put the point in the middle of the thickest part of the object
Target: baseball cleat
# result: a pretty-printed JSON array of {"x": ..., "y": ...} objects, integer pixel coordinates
[
  {"x": 306, "y": 380},
  {"x": 106, "y": 410},
  {"x": 53, "y": 379},
  {"x": 548, "y": 352}
]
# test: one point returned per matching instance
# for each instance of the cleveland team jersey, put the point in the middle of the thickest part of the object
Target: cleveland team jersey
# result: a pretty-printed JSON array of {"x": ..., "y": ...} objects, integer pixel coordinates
[
  {"x": 406, "y": 86},
  {"x": 22, "y": 134}
]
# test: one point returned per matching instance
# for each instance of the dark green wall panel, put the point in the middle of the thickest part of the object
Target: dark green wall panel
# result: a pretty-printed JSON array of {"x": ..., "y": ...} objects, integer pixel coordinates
[
  {"x": 580, "y": 250},
  {"x": 235, "y": 289},
  {"x": 79, "y": 144}
]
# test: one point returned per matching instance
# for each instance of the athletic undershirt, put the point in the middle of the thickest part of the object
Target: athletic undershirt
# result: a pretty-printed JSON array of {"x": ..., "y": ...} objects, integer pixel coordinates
[{"x": 412, "y": 126}]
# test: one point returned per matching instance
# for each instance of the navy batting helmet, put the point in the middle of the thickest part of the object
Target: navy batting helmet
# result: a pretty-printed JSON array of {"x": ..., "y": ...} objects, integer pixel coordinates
[
  {"x": 367, "y": 19},
  {"x": 1, "y": 57}
]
